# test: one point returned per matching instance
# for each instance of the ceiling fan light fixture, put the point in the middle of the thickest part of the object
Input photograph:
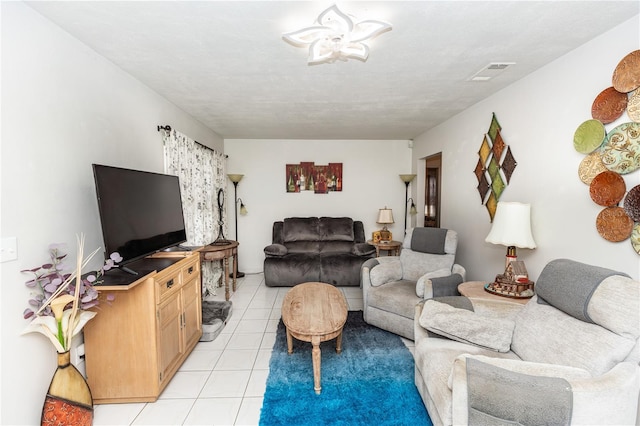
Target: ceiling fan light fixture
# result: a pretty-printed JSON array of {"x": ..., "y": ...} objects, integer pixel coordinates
[{"x": 336, "y": 36}]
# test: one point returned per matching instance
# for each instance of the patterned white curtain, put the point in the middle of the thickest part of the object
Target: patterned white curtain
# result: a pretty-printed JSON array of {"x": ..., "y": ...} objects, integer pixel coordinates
[{"x": 201, "y": 172}]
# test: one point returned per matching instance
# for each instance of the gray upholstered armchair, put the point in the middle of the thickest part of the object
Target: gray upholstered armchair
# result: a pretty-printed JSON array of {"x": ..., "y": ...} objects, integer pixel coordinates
[{"x": 393, "y": 285}]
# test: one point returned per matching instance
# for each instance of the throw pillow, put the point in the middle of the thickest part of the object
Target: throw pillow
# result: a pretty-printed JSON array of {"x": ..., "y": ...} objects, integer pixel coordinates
[{"x": 467, "y": 326}]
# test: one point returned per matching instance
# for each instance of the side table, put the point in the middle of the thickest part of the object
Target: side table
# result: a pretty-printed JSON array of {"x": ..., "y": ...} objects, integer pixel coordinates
[
  {"x": 222, "y": 252},
  {"x": 393, "y": 247},
  {"x": 476, "y": 289}
]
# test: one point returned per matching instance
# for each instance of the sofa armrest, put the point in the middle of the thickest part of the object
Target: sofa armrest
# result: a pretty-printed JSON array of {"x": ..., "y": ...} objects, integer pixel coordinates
[
  {"x": 442, "y": 286},
  {"x": 365, "y": 279},
  {"x": 387, "y": 269},
  {"x": 275, "y": 250},
  {"x": 459, "y": 269},
  {"x": 426, "y": 278},
  {"x": 609, "y": 399},
  {"x": 425, "y": 284},
  {"x": 419, "y": 332},
  {"x": 363, "y": 249}
]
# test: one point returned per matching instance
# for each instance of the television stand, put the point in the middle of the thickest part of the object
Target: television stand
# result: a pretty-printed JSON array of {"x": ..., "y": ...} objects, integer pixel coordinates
[
  {"x": 179, "y": 247},
  {"x": 128, "y": 271},
  {"x": 136, "y": 343},
  {"x": 133, "y": 271}
]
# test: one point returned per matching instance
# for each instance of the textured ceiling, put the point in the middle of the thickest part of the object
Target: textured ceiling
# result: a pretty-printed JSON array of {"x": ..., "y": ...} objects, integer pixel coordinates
[{"x": 225, "y": 63}]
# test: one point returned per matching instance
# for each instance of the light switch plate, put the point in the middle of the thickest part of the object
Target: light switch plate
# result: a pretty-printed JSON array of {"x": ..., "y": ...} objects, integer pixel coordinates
[{"x": 8, "y": 249}]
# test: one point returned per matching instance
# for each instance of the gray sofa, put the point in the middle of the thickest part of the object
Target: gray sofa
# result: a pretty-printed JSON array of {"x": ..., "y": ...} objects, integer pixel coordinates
[
  {"x": 322, "y": 249},
  {"x": 569, "y": 356}
]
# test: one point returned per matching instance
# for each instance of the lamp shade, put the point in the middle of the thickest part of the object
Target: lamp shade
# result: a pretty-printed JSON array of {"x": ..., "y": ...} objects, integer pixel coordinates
[
  {"x": 235, "y": 178},
  {"x": 385, "y": 216},
  {"x": 406, "y": 178},
  {"x": 413, "y": 210},
  {"x": 512, "y": 226},
  {"x": 243, "y": 208}
]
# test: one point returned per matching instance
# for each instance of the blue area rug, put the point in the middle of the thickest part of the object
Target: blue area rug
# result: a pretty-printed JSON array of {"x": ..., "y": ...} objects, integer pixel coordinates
[{"x": 369, "y": 383}]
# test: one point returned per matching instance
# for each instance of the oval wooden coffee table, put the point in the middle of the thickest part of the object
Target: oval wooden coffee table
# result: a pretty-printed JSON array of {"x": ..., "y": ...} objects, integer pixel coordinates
[{"x": 314, "y": 312}]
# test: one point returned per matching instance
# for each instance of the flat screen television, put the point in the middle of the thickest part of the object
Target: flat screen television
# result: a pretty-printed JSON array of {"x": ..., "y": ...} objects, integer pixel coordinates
[{"x": 141, "y": 212}]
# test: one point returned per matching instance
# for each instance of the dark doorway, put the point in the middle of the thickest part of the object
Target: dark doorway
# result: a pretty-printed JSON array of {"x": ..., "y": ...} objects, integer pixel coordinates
[{"x": 432, "y": 191}]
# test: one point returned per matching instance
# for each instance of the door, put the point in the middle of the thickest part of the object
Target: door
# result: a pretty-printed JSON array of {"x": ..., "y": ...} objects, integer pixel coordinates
[
  {"x": 192, "y": 312},
  {"x": 170, "y": 334},
  {"x": 432, "y": 191}
]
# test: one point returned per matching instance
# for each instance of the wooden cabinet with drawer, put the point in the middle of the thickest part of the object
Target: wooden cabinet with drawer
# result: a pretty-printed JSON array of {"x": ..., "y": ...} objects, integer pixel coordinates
[{"x": 135, "y": 344}]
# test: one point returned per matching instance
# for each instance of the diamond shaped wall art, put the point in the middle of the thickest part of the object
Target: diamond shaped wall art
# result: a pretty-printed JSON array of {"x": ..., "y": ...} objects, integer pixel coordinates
[{"x": 495, "y": 167}]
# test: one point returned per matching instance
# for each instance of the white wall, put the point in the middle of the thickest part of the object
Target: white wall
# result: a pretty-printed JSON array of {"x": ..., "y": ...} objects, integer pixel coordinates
[
  {"x": 370, "y": 182},
  {"x": 63, "y": 108},
  {"x": 539, "y": 115}
]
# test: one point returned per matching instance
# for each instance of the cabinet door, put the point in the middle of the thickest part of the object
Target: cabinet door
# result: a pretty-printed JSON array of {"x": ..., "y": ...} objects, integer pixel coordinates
[
  {"x": 171, "y": 344},
  {"x": 192, "y": 312}
]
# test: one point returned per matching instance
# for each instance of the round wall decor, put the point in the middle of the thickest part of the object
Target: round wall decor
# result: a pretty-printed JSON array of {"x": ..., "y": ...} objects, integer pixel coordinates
[
  {"x": 609, "y": 105},
  {"x": 590, "y": 167},
  {"x": 588, "y": 136},
  {"x": 614, "y": 225},
  {"x": 621, "y": 149},
  {"x": 607, "y": 189},
  {"x": 617, "y": 154},
  {"x": 633, "y": 106},
  {"x": 626, "y": 76},
  {"x": 632, "y": 203}
]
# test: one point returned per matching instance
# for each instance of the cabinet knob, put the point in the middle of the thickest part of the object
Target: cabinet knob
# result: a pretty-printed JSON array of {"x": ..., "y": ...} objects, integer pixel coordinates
[
  {"x": 190, "y": 270},
  {"x": 170, "y": 283}
]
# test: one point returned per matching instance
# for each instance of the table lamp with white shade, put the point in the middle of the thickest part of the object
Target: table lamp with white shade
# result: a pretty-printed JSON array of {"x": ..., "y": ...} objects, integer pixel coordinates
[
  {"x": 385, "y": 217},
  {"x": 512, "y": 228}
]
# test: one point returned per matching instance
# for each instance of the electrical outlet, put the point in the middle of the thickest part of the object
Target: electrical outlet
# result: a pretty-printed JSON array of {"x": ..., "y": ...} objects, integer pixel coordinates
[
  {"x": 78, "y": 355},
  {"x": 8, "y": 249}
]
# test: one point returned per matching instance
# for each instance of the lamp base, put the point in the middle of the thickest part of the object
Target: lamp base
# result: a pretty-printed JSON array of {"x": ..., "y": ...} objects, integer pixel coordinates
[
  {"x": 508, "y": 288},
  {"x": 510, "y": 257},
  {"x": 385, "y": 235}
]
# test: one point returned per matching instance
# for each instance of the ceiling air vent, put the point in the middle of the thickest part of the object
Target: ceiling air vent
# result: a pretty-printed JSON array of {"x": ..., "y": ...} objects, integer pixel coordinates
[{"x": 490, "y": 71}]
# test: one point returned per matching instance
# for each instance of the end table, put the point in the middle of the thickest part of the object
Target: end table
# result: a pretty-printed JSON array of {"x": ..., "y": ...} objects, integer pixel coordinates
[
  {"x": 223, "y": 253},
  {"x": 393, "y": 247},
  {"x": 476, "y": 289}
]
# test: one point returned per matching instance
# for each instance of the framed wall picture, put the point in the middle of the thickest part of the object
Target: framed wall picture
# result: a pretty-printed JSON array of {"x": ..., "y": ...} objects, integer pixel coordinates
[{"x": 307, "y": 176}]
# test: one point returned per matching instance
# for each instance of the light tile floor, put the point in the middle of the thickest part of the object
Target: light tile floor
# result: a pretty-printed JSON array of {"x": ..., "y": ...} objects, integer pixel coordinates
[{"x": 223, "y": 381}]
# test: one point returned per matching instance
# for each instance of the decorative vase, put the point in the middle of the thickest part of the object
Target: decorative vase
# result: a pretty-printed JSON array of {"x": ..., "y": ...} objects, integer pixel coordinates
[{"x": 68, "y": 400}]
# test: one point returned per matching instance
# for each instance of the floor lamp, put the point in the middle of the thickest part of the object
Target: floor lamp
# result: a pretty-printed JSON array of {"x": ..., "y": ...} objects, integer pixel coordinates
[
  {"x": 236, "y": 178},
  {"x": 407, "y": 180}
]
